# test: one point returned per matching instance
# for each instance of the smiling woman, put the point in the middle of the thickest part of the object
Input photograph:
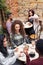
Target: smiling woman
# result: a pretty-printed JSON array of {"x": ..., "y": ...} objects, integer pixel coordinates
[
  {"x": 7, "y": 56},
  {"x": 18, "y": 32}
]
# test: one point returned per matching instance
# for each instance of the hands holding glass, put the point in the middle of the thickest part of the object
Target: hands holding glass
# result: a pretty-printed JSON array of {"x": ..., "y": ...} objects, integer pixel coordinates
[
  {"x": 22, "y": 52},
  {"x": 26, "y": 49}
]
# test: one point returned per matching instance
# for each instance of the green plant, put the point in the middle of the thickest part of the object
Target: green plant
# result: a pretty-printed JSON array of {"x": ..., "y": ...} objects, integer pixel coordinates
[{"x": 3, "y": 9}]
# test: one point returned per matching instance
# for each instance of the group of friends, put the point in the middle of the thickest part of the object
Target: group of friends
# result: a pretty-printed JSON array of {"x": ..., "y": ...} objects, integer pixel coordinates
[{"x": 16, "y": 34}]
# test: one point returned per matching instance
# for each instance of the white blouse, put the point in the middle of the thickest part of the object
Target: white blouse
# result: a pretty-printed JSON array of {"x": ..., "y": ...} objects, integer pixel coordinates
[{"x": 8, "y": 60}]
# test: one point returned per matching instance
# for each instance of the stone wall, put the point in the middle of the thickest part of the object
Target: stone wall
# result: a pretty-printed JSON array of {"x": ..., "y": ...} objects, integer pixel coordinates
[
  {"x": 20, "y": 8},
  {"x": 13, "y": 7}
]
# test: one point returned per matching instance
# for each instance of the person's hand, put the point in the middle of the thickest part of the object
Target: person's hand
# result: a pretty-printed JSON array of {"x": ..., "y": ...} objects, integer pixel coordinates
[
  {"x": 16, "y": 49},
  {"x": 25, "y": 50},
  {"x": 21, "y": 54}
]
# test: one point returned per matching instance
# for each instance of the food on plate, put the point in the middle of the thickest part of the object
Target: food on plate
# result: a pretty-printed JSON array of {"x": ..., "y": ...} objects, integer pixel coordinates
[
  {"x": 33, "y": 36},
  {"x": 28, "y": 23}
]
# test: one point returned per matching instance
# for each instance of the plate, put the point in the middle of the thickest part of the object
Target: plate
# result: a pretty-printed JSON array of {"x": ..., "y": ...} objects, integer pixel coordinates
[
  {"x": 23, "y": 56},
  {"x": 28, "y": 23}
]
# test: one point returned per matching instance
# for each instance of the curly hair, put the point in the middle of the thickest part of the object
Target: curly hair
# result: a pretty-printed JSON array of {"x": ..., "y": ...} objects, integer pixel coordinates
[{"x": 22, "y": 30}]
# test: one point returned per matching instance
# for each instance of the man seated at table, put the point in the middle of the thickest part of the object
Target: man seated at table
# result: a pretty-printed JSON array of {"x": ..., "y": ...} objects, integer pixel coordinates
[{"x": 39, "y": 49}]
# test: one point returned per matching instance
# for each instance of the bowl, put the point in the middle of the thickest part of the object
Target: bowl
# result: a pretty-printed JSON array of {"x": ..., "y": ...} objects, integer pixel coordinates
[{"x": 32, "y": 54}]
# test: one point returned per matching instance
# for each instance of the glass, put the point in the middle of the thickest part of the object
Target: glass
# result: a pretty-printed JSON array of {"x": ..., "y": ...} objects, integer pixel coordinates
[
  {"x": 32, "y": 54},
  {"x": 32, "y": 51},
  {"x": 24, "y": 42},
  {"x": 33, "y": 43}
]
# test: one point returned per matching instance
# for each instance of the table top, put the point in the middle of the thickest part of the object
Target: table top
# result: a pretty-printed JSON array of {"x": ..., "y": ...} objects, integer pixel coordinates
[
  {"x": 31, "y": 49},
  {"x": 27, "y": 25}
]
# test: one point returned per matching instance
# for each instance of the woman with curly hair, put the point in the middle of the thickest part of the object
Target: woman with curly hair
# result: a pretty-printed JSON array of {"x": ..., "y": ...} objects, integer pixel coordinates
[{"x": 18, "y": 32}]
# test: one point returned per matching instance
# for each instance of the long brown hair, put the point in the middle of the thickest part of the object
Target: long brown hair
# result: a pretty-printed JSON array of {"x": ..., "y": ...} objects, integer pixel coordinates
[
  {"x": 22, "y": 31},
  {"x": 32, "y": 11},
  {"x": 3, "y": 49}
]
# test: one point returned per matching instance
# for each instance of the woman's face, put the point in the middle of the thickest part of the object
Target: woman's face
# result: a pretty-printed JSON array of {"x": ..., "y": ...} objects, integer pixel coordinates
[
  {"x": 30, "y": 13},
  {"x": 5, "y": 42},
  {"x": 17, "y": 27}
]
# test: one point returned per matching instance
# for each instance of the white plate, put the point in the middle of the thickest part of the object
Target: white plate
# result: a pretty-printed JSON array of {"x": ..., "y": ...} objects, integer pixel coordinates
[
  {"x": 27, "y": 26},
  {"x": 23, "y": 57}
]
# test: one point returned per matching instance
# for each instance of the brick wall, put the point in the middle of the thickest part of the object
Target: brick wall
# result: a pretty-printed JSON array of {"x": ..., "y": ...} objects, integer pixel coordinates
[{"x": 20, "y": 8}]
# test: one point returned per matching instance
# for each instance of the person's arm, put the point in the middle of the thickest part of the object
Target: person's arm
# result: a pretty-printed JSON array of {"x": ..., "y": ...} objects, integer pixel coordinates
[
  {"x": 27, "y": 59},
  {"x": 10, "y": 51},
  {"x": 11, "y": 60},
  {"x": 12, "y": 40},
  {"x": 28, "y": 62},
  {"x": 27, "y": 39},
  {"x": 8, "y": 61},
  {"x": 8, "y": 25}
]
